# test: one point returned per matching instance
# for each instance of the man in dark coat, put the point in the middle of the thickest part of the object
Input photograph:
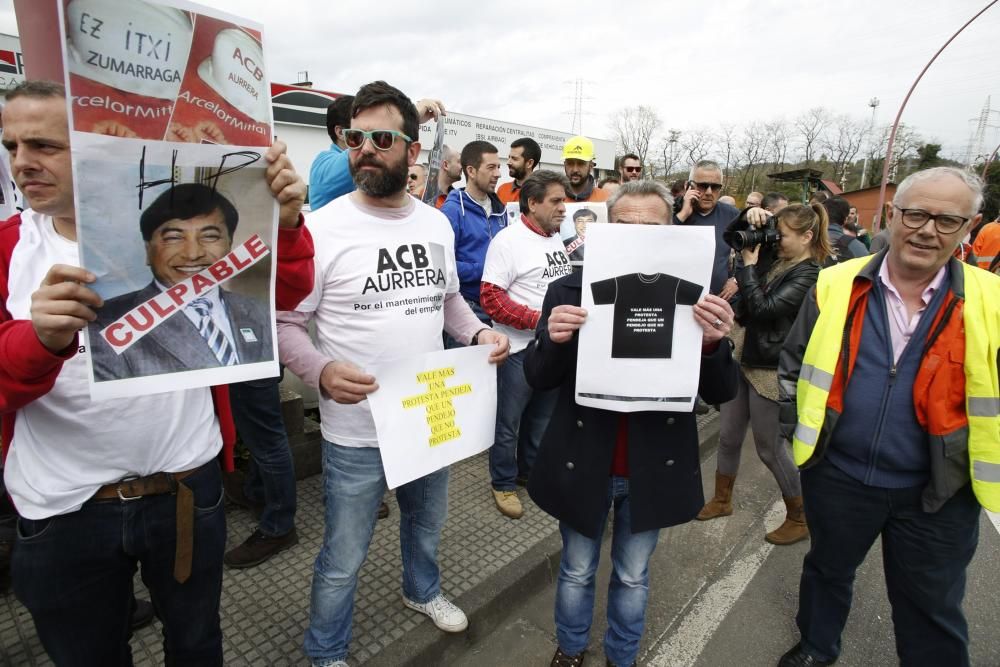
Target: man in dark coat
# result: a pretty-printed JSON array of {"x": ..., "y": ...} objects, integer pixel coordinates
[{"x": 645, "y": 464}]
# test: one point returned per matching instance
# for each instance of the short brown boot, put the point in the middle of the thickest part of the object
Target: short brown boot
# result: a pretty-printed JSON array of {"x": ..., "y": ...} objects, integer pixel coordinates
[
  {"x": 794, "y": 529},
  {"x": 721, "y": 503}
]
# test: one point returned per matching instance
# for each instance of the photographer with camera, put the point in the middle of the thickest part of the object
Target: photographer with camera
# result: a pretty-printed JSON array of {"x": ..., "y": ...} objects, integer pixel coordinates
[{"x": 782, "y": 256}]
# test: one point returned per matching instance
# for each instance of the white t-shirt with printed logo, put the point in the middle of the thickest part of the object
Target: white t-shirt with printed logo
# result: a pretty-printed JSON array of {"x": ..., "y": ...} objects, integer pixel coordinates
[
  {"x": 523, "y": 262},
  {"x": 381, "y": 279},
  {"x": 66, "y": 446}
]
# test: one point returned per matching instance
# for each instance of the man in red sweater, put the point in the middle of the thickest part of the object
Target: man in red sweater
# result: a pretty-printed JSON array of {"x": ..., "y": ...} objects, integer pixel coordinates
[{"x": 102, "y": 488}]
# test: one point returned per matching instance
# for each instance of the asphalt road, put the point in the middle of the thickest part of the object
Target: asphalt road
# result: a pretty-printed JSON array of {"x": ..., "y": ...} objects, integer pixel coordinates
[{"x": 720, "y": 595}]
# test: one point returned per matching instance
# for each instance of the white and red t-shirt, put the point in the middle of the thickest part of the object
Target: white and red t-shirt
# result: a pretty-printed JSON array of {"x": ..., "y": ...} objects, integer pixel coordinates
[
  {"x": 381, "y": 279},
  {"x": 523, "y": 262},
  {"x": 66, "y": 446}
]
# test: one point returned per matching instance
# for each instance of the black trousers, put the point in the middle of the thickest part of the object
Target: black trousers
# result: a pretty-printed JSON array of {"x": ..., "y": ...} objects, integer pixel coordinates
[{"x": 924, "y": 557}]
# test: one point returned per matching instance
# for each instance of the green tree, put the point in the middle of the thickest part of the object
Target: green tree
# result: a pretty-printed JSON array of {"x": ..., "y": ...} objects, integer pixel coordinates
[
  {"x": 928, "y": 156},
  {"x": 991, "y": 205}
]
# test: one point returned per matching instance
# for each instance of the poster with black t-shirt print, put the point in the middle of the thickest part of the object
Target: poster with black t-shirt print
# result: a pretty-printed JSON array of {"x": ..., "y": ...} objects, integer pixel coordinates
[
  {"x": 644, "y": 312},
  {"x": 640, "y": 348}
]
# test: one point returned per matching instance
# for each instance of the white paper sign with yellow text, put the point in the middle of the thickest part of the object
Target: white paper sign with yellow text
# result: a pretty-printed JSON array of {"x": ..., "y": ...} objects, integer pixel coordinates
[{"x": 432, "y": 410}]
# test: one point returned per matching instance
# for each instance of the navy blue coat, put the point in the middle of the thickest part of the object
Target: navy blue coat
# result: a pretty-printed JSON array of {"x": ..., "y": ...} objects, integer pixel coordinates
[{"x": 569, "y": 479}]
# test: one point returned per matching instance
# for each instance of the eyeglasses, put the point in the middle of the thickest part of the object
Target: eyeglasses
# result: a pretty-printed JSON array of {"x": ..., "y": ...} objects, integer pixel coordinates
[
  {"x": 707, "y": 186},
  {"x": 381, "y": 139},
  {"x": 413, "y": 177},
  {"x": 915, "y": 218},
  {"x": 632, "y": 170}
]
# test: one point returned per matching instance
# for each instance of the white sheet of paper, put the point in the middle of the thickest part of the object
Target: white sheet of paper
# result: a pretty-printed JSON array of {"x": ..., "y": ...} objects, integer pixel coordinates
[
  {"x": 433, "y": 409},
  {"x": 640, "y": 348}
]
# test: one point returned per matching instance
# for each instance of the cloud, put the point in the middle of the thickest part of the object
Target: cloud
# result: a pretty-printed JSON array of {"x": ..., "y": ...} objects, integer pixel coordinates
[{"x": 695, "y": 63}]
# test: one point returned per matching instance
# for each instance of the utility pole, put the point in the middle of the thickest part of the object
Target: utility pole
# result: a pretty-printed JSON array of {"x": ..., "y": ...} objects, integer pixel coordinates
[
  {"x": 873, "y": 103},
  {"x": 899, "y": 114},
  {"x": 577, "y": 112},
  {"x": 675, "y": 135}
]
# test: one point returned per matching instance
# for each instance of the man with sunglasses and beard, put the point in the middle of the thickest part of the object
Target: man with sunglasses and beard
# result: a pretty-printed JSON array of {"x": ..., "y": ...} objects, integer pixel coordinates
[
  {"x": 381, "y": 252},
  {"x": 631, "y": 168},
  {"x": 329, "y": 176},
  {"x": 702, "y": 207}
]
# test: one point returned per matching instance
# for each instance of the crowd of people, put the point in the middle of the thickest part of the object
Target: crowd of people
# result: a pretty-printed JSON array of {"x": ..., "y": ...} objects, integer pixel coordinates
[{"x": 869, "y": 380}]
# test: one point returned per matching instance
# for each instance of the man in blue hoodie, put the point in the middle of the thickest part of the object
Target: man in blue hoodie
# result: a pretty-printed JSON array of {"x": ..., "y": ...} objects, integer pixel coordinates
[{"x": 476, "y": 215}]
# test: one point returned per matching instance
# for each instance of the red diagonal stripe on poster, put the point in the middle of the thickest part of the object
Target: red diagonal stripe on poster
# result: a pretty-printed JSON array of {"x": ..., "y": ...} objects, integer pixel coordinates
[{"x": 136, "y": 323}]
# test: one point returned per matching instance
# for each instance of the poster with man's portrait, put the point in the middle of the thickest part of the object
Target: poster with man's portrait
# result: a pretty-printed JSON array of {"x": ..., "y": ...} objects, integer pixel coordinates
[
  {"x": 574, "y": 227},
  {"x": 573, "y": 230},
  {"x": 169, "y": 117}
]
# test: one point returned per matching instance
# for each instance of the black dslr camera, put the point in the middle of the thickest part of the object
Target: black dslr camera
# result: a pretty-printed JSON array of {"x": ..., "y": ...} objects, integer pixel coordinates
[{"x": 765, "y": 236}]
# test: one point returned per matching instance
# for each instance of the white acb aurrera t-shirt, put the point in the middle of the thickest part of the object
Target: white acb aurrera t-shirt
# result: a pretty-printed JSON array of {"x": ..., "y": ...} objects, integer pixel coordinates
[
  {"x": 524, "y": 263},
  {"x": 381, "y": 279},
  {"x": 67, "y": 446}
]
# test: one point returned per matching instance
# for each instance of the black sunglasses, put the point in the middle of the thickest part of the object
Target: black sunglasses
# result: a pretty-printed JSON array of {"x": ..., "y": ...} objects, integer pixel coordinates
[{"x": 707, "y": 186}]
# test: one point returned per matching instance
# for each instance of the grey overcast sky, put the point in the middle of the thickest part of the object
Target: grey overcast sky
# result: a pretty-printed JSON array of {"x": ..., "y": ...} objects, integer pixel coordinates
[{"x": 696, "y": 63}]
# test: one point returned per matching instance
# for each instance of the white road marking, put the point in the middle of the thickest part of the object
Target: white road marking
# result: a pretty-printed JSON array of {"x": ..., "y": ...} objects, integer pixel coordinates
[
  {"x": 712, "y": 605},
  {"x": 994, "y": 519}
]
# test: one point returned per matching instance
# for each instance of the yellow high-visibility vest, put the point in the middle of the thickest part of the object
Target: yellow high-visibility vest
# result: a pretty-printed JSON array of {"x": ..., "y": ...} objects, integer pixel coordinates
[{"x": 981, "y": 321}]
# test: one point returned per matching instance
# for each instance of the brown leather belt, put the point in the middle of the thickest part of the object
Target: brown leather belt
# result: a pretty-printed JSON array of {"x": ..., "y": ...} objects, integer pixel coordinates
[{"x": 160, "y": 484}]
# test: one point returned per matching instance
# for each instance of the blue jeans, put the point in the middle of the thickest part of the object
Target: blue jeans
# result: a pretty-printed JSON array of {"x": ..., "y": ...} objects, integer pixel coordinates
[
  {"x": 353, "y": 485},
  {"x": 74, "y": 574},
  {"x": 522, "y": 417},
  {"x": 924, "y": 557},
  {"x": 271, "y": 476},
  {"x": 627, "y": 590}
]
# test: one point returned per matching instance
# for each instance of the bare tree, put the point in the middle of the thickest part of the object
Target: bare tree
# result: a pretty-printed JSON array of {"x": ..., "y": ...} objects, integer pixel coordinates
[
  {"x": 777, "y": 140},
  {"x": 904, "y": 149},
  {"x": 843, "y": 143},
  {"x": 810, "y": 127},
  {"x": 697, "y": 144},
  {"x": 634, "y": 129},
  {"x": 727, "y": 149},
  {"x": 751, "y": 148}
]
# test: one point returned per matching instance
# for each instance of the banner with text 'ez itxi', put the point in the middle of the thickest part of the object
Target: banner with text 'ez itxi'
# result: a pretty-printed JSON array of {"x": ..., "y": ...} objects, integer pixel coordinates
[
  {"x": 170, "y": 116},
  {"x": 433, "y": 409}
]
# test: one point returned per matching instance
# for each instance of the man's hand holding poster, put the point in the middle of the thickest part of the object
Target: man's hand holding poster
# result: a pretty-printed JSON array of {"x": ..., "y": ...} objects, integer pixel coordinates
[
  {"x": 170, "y": 118},
  {"x": 433, "y": 409},
  {"x": 640, "y": 348}
]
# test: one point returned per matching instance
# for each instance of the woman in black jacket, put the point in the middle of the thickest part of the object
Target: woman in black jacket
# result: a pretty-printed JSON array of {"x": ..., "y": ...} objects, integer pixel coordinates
[
  {"x": 644, "y": 464},
  {"x": 766, "y": 305}
]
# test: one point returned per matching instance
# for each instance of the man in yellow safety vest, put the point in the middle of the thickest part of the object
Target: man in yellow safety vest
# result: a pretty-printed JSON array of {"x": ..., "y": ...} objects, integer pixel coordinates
[{"x": 890, "y": 398}]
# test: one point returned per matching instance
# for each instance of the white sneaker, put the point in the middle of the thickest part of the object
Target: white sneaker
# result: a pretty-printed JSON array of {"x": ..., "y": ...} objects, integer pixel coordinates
[
  {"x": 445, "y": 615},
  {"x": 327, "y": 663}
]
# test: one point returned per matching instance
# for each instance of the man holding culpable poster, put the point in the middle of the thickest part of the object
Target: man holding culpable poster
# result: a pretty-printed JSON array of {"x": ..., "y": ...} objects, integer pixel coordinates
[{"x": 104, "y": 488}]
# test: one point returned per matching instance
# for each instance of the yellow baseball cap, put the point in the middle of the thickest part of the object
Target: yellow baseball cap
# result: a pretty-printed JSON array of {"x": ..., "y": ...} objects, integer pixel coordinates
[{"x": 578, "y": 148}]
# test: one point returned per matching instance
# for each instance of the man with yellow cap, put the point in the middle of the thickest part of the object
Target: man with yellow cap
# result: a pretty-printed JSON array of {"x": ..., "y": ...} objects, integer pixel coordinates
[{"x": 578, "y": 161}]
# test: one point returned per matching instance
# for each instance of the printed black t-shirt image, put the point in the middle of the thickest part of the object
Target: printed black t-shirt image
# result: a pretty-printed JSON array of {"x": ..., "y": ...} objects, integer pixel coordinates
[{"x": 644, "y": 312}]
